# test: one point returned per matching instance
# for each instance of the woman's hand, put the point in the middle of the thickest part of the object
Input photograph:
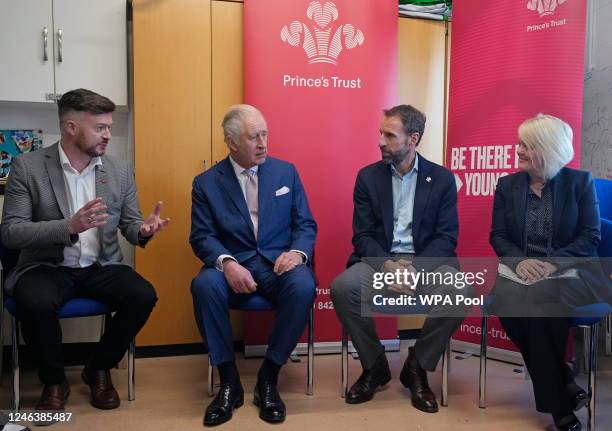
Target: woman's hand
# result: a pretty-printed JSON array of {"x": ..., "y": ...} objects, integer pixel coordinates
[{"x": 534, "y": 270}]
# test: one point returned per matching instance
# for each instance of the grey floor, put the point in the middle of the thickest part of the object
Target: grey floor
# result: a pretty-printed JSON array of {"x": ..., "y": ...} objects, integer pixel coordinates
[{"x": 171, "y": 395}]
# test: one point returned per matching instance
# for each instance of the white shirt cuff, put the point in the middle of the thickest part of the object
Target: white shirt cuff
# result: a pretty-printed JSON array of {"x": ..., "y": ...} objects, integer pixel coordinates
[
  {"x": 303, "y": 255},
  {"x": 220, "y": 259}
]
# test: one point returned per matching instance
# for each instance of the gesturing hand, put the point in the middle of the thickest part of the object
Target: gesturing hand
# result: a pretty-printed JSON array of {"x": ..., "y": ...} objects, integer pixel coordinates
[
  {"x": 153, "y": 223},
  {"x": 92, "y": 214}
]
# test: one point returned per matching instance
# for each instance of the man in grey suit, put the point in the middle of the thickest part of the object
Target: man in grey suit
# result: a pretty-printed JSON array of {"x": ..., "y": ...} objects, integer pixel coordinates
[{"x": 62, "y": 208}]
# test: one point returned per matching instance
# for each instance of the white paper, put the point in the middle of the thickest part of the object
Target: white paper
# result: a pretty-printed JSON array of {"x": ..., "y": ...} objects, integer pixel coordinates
[{"x": 506, "y": 272}]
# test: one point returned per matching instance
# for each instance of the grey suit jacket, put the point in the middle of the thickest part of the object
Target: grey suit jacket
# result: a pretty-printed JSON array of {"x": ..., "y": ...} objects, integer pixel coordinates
[{"x": 36, "y": 211}]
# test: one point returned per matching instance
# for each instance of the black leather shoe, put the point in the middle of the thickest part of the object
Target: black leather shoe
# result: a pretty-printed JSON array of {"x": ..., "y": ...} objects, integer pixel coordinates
[
  {"x": 578, "y": 396},
  {"x": 271, "y": 406},
  {"x": 230, "y": 397},
  {"x": 568, "y": 423},
  {"x": 414, "y": 378},
  {"x": 365, "y": 386}
]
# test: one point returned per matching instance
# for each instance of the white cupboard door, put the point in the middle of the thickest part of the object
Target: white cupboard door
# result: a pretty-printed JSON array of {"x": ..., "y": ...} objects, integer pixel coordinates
[
  {"x": 91, "y": 47},
  {"x": 26, "y": 74}
]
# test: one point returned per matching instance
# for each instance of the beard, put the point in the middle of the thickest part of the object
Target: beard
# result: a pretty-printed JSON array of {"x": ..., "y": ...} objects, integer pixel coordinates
[
  {"x": 395, "y": 158},
  {"x": 96, "y": 150}
]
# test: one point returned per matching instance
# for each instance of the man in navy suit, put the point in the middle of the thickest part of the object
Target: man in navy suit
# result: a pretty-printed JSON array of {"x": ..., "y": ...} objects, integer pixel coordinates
[
  {"x": 405, "y": 218},
  {"x": 252, "y": 228}
]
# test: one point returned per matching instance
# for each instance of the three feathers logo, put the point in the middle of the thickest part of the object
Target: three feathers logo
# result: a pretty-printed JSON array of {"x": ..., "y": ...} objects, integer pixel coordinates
[
  {"x": 323, "y": 42},
  {"x": 544, "y": 7}
]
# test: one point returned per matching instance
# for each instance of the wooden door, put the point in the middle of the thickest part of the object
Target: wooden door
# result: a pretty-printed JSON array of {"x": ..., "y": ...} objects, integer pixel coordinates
[{"x": 172, "y": 111}]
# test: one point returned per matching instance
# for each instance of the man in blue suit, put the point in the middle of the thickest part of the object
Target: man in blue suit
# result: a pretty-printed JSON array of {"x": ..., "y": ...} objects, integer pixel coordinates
[
  {"x": 252, "y": 228},
  {"x": 404, "y": 219}
]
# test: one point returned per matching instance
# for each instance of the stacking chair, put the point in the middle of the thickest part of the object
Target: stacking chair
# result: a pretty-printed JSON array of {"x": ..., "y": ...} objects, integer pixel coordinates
[
  {"x": 78, "y": 307},
  {"x": 586, "y": 318},
  {"x": 256, "y": 302},
  {"x": 603, "y": 187},
  {"x": 415, "y": 310}
]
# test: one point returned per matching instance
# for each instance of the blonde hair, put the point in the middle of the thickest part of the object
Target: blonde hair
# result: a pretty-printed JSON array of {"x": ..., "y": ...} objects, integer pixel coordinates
[{"x": 550, "y": 138}]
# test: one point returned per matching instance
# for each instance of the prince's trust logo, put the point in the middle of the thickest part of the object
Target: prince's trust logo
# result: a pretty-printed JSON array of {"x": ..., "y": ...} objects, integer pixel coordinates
[
  {"x": 544, "y": 7},
  {"x": 321, "y": 42}
]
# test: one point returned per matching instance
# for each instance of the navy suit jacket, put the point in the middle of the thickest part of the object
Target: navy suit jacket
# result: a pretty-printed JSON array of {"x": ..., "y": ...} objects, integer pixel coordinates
[
  {"x": 576, "y": 225},
  {"x": 435, "y": 225},
  {"x": 220, "y": 221}
]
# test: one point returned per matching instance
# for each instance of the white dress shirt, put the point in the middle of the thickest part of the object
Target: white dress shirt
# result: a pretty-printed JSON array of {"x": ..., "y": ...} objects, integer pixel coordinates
[{"x": 80, "y": 189}]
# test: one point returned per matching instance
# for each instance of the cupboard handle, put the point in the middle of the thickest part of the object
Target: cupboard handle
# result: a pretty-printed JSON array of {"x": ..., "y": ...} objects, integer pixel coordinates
[
  {"x": 59, "y": 45},
  {"x": 45, "y": 36}
]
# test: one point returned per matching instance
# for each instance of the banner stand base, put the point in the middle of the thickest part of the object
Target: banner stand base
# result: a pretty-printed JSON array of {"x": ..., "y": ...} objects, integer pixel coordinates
[
  {"x": 492, "y": 352},
  {"x": 259, "y": 350}
]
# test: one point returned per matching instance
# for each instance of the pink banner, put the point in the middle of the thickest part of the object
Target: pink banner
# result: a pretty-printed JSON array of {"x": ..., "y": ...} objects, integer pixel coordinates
[
  {"x": 321, "y": 73},
  {"x": 509, "y": 61}
]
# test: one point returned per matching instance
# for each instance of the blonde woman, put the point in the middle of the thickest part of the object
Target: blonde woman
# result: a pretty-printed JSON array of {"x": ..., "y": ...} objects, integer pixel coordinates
[{"x": 545, "y": 221}]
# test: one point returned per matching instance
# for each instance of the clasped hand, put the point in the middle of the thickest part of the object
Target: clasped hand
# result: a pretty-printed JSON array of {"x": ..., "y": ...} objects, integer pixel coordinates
[
  {"x": 392, "y": 266},
  {"x": 534, "y": 270}
]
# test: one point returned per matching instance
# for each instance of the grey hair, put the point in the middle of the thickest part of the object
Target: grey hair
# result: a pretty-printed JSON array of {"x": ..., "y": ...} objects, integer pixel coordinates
[
  {"x": 232, "y": 122},
  {"x": 551, "y": 140}
]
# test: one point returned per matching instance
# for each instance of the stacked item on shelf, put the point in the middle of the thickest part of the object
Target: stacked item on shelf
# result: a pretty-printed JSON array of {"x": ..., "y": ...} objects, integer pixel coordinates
[{"x": 429, "y": 9}]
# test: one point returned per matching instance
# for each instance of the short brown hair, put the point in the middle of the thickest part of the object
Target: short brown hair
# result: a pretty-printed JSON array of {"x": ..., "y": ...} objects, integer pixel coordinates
[
  {"x": 412, "y": 119},
  {"x": 82, "y": 100}
]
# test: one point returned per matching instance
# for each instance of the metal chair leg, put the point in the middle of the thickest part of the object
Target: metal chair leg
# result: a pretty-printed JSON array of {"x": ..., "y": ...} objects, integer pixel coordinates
[
  {"x": 211, "y": 375},
  {"x": 445, "y": 370},
  {"x": 586, "y": 350},
  {"x": 344, "y": 372},
  {"x": 482, "y": 379},
  {"x": 310, "y": 365},
  {"x": 15, "y": 336},
  {"x": 590, "y": 337},
  {"x": 131, "y": 371},
  {"x": 608, "y": 323},
  {"x": 103, "y": 323},
  {"x": 1, "y": 332}
]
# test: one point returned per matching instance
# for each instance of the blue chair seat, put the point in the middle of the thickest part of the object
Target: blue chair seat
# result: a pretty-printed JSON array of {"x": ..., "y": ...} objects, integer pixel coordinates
[
  {"x": 591, "y": 314},
  {"x": 78, "y": 307}
]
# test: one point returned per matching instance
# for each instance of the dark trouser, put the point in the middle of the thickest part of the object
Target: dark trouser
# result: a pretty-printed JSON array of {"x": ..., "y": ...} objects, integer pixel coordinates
[
  {"x": 542, "y": 341},
  {"x": 293, "y": 294},
  {"x": 41, "y": 292},
  {"x": 441, "y": 323}
]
